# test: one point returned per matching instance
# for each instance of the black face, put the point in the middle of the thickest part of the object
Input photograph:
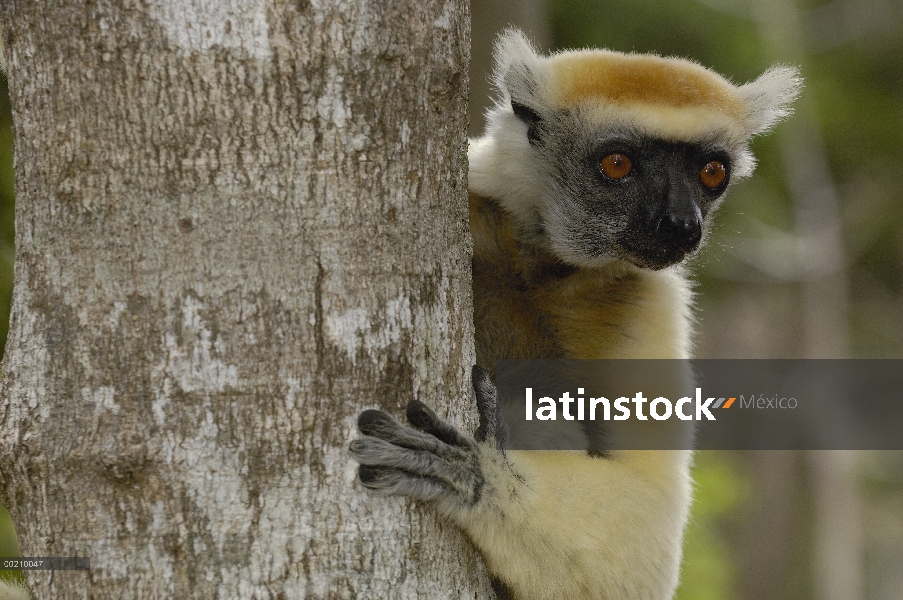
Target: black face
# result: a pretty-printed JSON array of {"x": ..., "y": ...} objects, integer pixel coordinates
[{"x": 666, "y": 190}]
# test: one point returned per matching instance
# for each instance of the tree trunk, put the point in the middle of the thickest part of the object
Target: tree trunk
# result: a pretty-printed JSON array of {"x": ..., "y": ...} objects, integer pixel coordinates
[{"x": 238, "y": 224}]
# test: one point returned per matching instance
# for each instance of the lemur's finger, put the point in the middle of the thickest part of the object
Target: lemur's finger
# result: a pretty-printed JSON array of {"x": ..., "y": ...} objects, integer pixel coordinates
[
  {"x": 492, "y": 426},
  {"x": 435, "y": 462},
  {"x": 388, "y": 480},
  {"x": 422, "y": 417},
  {"x": 380, "y": 425},
  {"x": 456, "y": 469}
]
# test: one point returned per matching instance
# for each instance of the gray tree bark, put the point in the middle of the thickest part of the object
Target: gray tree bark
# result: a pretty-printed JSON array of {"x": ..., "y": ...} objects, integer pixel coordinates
[{"x": 238, "y": 224}]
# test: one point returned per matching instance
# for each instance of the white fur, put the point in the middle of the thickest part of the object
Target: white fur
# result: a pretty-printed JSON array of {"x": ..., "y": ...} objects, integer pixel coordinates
[
  {"x": 503, "y": 167},
  {"x": 584, "y": 528},
  {"x": 769, "y": 97}
]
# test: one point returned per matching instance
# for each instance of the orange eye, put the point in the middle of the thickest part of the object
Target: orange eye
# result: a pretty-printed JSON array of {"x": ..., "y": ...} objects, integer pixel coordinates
[
  {"x": 616, "y": 166},
  {"x": 712, "y": 175}
]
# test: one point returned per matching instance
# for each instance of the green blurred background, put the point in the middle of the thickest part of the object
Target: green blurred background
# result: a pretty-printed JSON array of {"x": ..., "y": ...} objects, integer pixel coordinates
[{"x": 806, "y": 260}]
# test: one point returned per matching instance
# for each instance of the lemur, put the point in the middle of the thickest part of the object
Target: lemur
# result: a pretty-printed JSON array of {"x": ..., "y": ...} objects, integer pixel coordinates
[{"x": 595, "y": 181}]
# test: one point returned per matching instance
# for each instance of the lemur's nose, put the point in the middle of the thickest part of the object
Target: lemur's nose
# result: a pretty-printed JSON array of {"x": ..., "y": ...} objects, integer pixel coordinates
[{"x": 680, "y": 229}]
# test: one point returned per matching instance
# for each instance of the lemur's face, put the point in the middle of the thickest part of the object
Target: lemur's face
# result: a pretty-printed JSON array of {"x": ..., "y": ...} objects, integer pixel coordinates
[
  {"x": 619, "y": 194},
  {"x": 616, "y": 193}
]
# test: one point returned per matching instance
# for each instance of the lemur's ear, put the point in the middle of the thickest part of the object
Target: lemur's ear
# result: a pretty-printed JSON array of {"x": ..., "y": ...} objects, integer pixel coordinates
[
  {"x": 519, "y": 76},
  {"x": 517, "y": 66},
  {"x": 769, "y": 97}
]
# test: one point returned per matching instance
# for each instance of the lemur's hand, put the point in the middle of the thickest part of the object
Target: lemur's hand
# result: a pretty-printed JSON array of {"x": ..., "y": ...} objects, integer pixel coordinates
[{"x": 433, "y": 461}]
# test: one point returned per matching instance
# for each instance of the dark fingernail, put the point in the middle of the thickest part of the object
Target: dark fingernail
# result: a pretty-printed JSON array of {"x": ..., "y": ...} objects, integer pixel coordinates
[
  {"x": 369, "y": 418},
  {"x": 419, "y": 414},
  {"x": 368, "y": 474}
]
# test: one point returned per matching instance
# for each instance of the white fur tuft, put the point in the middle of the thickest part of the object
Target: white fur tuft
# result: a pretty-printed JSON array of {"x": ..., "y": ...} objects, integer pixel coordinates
[
  {"x": 768, "y": 98},
  {"x": 518, "y": 71}
]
